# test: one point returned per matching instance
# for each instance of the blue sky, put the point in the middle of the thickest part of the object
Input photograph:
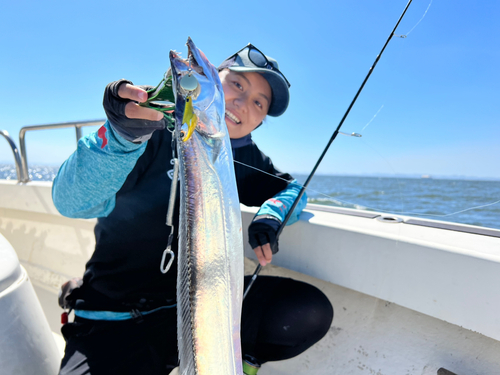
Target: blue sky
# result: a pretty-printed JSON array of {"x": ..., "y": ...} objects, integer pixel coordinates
[{"x": 436, "y": 92}]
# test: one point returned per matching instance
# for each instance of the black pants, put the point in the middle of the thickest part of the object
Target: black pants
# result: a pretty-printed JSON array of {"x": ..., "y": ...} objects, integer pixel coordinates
[{"x": 281, "y": 318}]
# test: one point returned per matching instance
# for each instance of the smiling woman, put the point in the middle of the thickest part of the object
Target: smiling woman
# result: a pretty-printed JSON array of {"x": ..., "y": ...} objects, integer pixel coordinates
[
  {"x": 439, "y": 117},
  {"x": 123, "y": 166},
  {"x": 248, "y": 98}
]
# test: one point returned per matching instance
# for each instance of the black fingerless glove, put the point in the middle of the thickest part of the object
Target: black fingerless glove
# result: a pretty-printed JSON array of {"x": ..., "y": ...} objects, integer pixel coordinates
[
  {"x": 133, "y": 130},
  {"x": 263, "y": 230}
]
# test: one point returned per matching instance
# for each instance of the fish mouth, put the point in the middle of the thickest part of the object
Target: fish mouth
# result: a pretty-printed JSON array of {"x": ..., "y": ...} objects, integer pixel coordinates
[
  {"x": 192, "y": 63},
  {"x": 193, "y": 66},
  {"x": 194, "y": 56},
  {"x": 233, "y": 117},
  {"x": 197, "y": 87}
]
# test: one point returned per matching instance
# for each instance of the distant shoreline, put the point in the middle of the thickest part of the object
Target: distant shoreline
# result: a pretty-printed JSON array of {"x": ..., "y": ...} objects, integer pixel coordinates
[
  {"x": 303, "y": 176},
  {"x": 409, "y": 176}
]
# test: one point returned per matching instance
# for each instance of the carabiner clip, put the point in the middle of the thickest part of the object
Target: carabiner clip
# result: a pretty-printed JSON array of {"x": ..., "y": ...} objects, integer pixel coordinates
[{"x": 164, "y": 269}]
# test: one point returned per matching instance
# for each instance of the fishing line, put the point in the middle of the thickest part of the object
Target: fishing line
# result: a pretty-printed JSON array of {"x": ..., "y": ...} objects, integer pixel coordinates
[
  {"x": 362, "y": 206},
  {"x": 404, "y": 212},
  {"x": 393, "y": 171},
  {"x": 408, "y": 33},
  {"x": 373, "y": 118},
  {"x": 260, "y": 170},
  {"x": 334, "y": 135},
  {"x": 467, "y": 209},
  {"x": 302, "y": 186}
]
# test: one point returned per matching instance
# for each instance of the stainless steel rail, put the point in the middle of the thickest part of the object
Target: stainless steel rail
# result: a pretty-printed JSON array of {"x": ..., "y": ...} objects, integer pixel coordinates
[
  {"x": 22, "y": 141},
  {"x": 15, "y": 151}
]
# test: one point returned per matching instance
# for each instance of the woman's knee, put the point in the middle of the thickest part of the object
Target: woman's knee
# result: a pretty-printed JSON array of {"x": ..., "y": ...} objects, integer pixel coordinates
[
  {"x": 318, "y": 310},
  {"x": 304, "y": 307}
]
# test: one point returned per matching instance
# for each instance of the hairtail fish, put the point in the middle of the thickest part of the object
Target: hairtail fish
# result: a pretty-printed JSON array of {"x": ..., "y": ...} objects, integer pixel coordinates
[{"x": 210, "y": 263}]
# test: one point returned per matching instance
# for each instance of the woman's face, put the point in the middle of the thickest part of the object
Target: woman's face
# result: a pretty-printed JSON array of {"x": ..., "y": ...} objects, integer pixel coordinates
[{"x": 248, "y": 97}]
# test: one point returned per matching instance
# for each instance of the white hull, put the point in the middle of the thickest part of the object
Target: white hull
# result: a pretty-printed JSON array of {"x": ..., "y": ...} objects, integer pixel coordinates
[{"x": 408, "y": 299}]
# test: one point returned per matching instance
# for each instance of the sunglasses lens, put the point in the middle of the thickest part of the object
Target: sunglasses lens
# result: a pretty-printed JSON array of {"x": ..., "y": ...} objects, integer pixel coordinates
[
  {"x": 257, "y": 58},
  {"x": 261, "y": 61}
]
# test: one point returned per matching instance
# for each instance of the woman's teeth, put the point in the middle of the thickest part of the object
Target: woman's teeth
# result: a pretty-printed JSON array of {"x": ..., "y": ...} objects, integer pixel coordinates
[{"x": 233, "y": 117}]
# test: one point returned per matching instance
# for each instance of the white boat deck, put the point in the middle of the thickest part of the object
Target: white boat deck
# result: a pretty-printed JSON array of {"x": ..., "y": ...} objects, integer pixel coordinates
[{"x": 408, "y": 299}]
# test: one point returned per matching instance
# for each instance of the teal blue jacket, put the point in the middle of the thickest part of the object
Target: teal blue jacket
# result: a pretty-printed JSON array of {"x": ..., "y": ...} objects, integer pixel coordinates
[
  {"x": 127, "y": 187},
  {"x": 87, "y": 183}
]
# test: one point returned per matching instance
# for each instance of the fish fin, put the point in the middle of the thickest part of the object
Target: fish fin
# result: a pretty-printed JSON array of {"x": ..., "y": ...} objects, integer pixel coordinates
[{"x": 185, "y": 337}]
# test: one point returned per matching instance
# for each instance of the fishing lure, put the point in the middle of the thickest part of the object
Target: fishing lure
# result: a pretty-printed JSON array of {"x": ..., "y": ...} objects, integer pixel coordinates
[
  {"x": 162, "y": 99},
  {"x": 189, "y": 118}
]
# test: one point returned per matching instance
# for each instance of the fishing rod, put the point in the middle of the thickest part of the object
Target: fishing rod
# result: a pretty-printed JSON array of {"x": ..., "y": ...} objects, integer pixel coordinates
[{"x": 334, "y": 135}]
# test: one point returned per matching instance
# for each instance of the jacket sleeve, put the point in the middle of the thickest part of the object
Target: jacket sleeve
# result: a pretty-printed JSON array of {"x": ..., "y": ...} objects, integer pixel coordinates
[
  {"x": 86, "y": 184},
  {"x": 279, "y": 205}
]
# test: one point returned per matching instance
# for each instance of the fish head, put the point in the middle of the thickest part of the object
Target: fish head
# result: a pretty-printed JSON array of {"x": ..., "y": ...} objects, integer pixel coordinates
[{"x": 198, "y": 92}]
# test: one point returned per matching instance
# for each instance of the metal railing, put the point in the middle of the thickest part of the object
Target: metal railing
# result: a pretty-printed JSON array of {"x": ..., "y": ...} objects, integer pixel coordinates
[
  {"x": 24, "y": 176},
  {"x": 15, "y": 151}
]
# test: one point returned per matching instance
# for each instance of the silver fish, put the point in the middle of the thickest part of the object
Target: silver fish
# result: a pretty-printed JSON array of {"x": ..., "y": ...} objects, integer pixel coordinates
[{"x": 210, "y": 263}]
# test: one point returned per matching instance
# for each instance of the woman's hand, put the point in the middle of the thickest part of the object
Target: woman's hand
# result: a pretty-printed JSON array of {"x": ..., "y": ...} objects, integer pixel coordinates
[
  {"x": 264, "y": 254},
  {"x": 262, "y": 237},
  {"x": 128, "y": 118},
  {"x": 137, "y": 95}
]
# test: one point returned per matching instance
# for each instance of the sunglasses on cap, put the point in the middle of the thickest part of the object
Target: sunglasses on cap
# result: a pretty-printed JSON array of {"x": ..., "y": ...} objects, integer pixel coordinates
[{"x": 260, "y": 60}]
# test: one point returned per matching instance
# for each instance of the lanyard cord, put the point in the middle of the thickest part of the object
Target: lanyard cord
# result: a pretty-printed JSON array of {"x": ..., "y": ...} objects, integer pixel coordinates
[{"x": 170, "y": 212}]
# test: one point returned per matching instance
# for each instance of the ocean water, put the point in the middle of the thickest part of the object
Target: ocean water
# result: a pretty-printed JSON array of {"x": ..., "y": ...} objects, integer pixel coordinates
[
  {"x": 36, "y": 172},
  {"x": 459, "y": 201}
]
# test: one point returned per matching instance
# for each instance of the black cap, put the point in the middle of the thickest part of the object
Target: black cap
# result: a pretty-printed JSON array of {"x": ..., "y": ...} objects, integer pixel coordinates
[{"x": 250, "y": 59}]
